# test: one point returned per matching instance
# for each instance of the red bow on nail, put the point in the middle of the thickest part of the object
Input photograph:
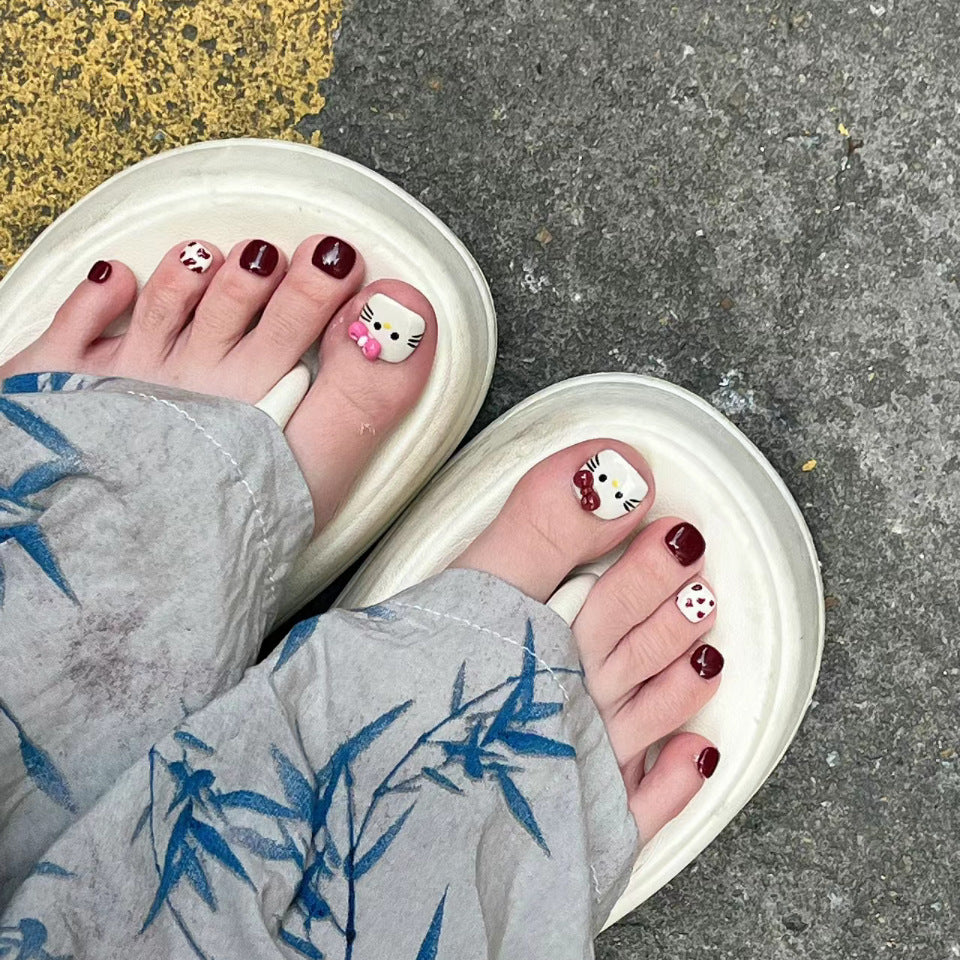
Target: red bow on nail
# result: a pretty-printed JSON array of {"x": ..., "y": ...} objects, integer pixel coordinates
[{"x": 589, "y": 498}]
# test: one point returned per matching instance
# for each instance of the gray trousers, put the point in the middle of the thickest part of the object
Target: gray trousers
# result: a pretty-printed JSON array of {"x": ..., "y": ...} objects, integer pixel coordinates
[{"x": 426, "y": 778}]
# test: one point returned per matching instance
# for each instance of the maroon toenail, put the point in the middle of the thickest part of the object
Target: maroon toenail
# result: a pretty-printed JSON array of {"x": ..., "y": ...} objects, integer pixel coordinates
[
  {"x": 707, "y": 761},
  {"x": 686, "y": 543},
  {"x": 100, "y": 272},
  {"x": 707, "y": 661},
  {"x": 259, "y": 257},
  {"x": 335, "y": 257}
]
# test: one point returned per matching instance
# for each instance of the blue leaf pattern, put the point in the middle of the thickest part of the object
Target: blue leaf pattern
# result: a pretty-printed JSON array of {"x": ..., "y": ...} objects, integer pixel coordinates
[
  {"x": 456, "y": 698},
  {"x": 20, "y": 515},
  {"x": 431, "y": 942},
  {"x": 47, "y": 869},
  {"x": 296, "y": 787},
  {"x": 296, "y": 638},
  {"x": 40, "y": 767},
  {"x": 189, "y": 740},
  {"x": 328, "y": 833},
  {"x": 373, "y": 855},
  {"x": 29, "y": 938}
]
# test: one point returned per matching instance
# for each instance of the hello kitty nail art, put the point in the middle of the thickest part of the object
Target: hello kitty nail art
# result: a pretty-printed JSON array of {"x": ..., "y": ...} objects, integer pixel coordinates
[
  {"x": 387, "y": 330},
  {"x": 196, "y": 257},
  {"x": 608, "y": 486},
  {"x": 695, "y": 601}
]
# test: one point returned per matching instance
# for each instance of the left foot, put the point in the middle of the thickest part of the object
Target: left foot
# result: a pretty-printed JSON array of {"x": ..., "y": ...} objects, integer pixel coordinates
[{"x": 233, "y": 327}]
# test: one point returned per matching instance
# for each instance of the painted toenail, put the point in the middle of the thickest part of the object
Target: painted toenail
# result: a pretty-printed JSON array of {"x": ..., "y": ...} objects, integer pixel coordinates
[
  {"x": 259, "y": 257},
  {"x": 196, "y": 257},
  {"x": 707, "y": 761},
  {"x": 707, "y": 661},
  {"x": 100, "y": 272},
  {"x": 696, "y": 601},
  {"x": 334, "y": 256},
  {"x": 686, "y": 543},
  {"x": 609, "y": 486},
  {"x": 387, "y": 330}
]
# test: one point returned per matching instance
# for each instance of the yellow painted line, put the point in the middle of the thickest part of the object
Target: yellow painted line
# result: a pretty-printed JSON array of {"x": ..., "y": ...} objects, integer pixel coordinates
[{"x": 88, "y": 88}]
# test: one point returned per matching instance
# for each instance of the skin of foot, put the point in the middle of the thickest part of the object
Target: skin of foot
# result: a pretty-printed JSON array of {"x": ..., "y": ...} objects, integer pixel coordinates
[
  {"x": 640, "y": 633},
  {"x": 233, "y": 326}
]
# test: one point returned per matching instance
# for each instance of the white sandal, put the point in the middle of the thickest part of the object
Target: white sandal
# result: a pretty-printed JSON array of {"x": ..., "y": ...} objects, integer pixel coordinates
[
  {"x": 760, "y": 558},
  {"x": 226, "y": 190}
]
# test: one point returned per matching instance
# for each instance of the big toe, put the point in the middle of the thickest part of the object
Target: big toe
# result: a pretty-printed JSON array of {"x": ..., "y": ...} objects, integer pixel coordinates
[
  {"x": 375, "y": 358},
  {"x": 572, "y": 507}
]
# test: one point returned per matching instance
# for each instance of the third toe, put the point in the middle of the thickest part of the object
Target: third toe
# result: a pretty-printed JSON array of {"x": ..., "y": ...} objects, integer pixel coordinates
[
  {"x": 239, "y": 291},
  {"x": 324, "y": 273}
]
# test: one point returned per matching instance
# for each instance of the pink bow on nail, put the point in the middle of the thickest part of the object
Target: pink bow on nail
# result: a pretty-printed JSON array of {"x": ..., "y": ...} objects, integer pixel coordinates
[{"x": 358, "y": 331}]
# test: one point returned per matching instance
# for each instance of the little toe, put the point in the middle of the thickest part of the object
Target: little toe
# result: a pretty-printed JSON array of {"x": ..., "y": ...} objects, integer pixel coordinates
[
  {"x": 71, "y": 342},
  {"x": 676, "y": 776},
  {"x": 167, "y": 300},
  {"x": 362, "y": 391},
  {"x": 324, "y": 273},
  {"x": 654, "y": 567},
  {"x": 240, "y": 289},
  {"x": 572, "y": 507},
  {"x": 107, "y": 291}
]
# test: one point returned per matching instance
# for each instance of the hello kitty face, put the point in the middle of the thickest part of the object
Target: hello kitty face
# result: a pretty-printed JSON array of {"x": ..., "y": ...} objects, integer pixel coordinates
[
  {"x": 608, "y": 486},
  {"x": 196, "y": 257},
  {"x": 387, "y": 330}
]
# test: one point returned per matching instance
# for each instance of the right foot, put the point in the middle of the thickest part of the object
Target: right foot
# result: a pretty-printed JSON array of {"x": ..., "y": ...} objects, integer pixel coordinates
[
  {"x": 640, "y": 631},
  {"x": 193, "y": 327}
]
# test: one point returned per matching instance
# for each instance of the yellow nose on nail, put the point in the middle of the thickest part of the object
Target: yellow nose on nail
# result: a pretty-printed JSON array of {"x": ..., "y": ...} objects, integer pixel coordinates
[
  {"x": 616, "y": 483},
  {"x": 387, "y": 326}
]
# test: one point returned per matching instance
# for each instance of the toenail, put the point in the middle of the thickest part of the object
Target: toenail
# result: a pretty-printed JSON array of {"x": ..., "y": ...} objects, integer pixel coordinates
[
  {"x": 387, "y": 330},
  {"x": 334, "y": 256},
  {"x": 696, "y": 601},
  {"x": 707, "y": 761},
  {"x": 259, "y": 257},
  {"x": 707, "y": 661},
  {"x": 609, "y": 486},
  {"x": 686, "y": 543},
  {"x": 196, "y": 257},
  {"x": 100, "y": 272}
]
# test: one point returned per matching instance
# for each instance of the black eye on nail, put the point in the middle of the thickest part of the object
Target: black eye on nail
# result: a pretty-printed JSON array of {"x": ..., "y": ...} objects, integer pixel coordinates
[
  {"x": 602, "y": 478},
  {"x": 394, "y": 335},
  {"x": 376, "y": 326},
  {"x": 618, "y": 495}
]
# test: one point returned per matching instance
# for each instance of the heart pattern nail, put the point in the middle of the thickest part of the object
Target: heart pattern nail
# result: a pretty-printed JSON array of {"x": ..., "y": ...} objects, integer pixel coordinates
[
  {"x": 609, "y": 486},
  {"x": 387, "y": 330},
  {"x": 196, "y": 257},
  {"x": 695, "y": 601}
]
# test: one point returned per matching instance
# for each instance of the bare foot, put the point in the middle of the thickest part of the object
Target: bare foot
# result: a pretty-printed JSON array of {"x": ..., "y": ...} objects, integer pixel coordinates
[
  {"x": 233, "y": 327},
  {"x": 640, "y": 632}
]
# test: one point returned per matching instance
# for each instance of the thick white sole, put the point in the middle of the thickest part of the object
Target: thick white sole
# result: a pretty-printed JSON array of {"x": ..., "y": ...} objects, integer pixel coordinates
[
  {"x": 228, "y": 190},
  {"x": 760, "y": 560}
]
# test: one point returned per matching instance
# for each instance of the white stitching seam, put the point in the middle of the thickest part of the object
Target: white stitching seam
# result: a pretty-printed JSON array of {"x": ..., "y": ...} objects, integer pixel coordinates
[
  {"x": 256, "y": 506},
  {"x": 596, "y": 882},
  {"x": 492, "y": 633}
]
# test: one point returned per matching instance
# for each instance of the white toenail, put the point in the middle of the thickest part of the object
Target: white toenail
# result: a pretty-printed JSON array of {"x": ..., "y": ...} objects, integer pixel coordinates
[
  {"x": 397, "y": 329},
  {"x": 196, "y": 257},
  {"x": 696, "y": 602},
  {"x": 609, "y": 486}
]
